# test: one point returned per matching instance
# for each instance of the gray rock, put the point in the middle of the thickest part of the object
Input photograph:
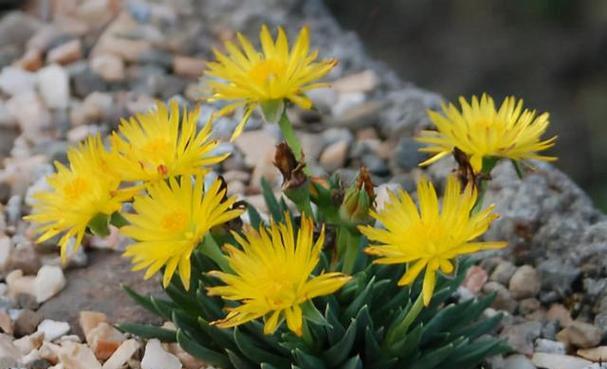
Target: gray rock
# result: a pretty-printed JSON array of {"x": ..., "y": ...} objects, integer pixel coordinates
[
  {"x": 503, "y": 272},
  {"x": 406, "y": 109},
  {"x": 503, "y": 297},
  {"x": 407, "y": 155},
  {"x": 522, "y": 336},
  {"x": 27, "y": 322},
  {"x": 549, "y": 346},
  {"x": 16, "y": 28},
  {"x": 518, "y": 361},
  {"x": 558, "y": 275}
]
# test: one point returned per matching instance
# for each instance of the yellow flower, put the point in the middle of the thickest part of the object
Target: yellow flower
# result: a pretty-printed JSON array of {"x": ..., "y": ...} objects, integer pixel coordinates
[
  {"x": 76, "y": 194},
  {"x": 432, "y": 237},
  {"x": 248, "y": 78},
  {"x": 159, "y": 144},
  {"x": 272, "y": 276},
  {"x": 170, "y": 221},
  {"x": 479, "y": 130}
]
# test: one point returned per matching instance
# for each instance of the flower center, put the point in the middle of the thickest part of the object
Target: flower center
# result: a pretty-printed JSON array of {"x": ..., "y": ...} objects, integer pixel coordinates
[
  {"x": 280, "y": 288},
  {"x": 73, "y": 189},
  {"x": 174, "y": 221},
  {"x": 267, "y": 70},
  {"x": 156, "y": 149}
]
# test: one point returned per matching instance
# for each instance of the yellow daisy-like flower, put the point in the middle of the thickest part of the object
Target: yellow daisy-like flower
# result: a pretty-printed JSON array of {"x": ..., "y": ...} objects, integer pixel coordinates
[
  {"x": 432, "y": 237},
  {"x": 162, "y": 144},
  {"x": 170, "y": 221},
  {"x": 77, "y": 193},
  {"x": 480, "y": 130},
  {"x": 272, "y": 276},
  {"x": 248, "y": 78}
]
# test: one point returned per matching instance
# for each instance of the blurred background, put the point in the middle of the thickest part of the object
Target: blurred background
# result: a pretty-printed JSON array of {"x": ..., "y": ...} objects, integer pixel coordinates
[{"x": 552, "y": 53}]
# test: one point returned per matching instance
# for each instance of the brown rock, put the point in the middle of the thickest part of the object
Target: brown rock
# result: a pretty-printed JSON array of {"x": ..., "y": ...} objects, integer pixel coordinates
[
  {"x": 18, "y": 283},
  {"x": 476, "y": 277},
  {"x": 187, "y": 66},
  {"x": 31, "y": 60},
  {"x": 359, "y": 82},
  {"x": 89, "y": 320},
  {"x": 122, "y": 355},
  {"x": 104, "y": 340},
  {"x": 27, "y": 322},
  {"x": 596, "y": 354},
  {"x": 110, "y": 67},
  {"x": 525, "y": 282},
  {"x": 65, "y": 53},
  {"x": 77, "y": 356},
  {"x": 6, "y": 323},
  {"x": 559, "y": 313},
  {"x": 580, "y": 334},
  {"x": 110, "y": 41},
  {"x": 334, "y": 156}
]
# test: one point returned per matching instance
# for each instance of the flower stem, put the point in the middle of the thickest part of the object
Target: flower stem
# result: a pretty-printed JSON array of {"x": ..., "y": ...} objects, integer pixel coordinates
[
  {"x": 289, "y": 134},
  {"x": 349, "y": 246},
  {"x": 403, "y": 326},
  {"x": 211, "y": 249}
]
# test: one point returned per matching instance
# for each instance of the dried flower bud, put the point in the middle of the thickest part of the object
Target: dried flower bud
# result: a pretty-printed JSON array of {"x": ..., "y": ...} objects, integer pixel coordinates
[
  {"x": 359, "y": 199},
  {"x": 292, "y": 170}
]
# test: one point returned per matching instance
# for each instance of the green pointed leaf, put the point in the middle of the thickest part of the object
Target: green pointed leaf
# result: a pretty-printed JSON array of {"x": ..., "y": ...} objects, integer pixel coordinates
[
  {"x": 240, "y": 362},
  {"x": 517, "y": 169},
  {"x": 335, "y": 355},
  {"x": 148, "y": 331},
  {"x": 271, "y": 202},
  {"x": 197, "y": 350},
  {"x": 359, "y": 301},
  {"x": 479, "y": 328},
  {"x": 141, "y": 300},
  {"x": 254, "y": 351},
  {"x": 353, "y": 363},
  {"x": 307, "y": 361},
  {"x": 311, "y": 314},
  {"x": 117, "y": 220},
  {"x": 254, "y": 216},
  {"x": 433, "y": 358},
  {"x": 222, "y": 337}
]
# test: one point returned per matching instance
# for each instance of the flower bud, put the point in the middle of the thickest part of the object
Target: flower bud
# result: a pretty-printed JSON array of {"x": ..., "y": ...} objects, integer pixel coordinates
[{"x": 358, "y": 200}]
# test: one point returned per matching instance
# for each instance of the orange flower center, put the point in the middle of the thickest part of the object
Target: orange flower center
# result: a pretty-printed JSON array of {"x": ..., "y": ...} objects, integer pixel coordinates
[
  {"x": 267, "y": 70},
  {"x": 73, "y": 189},
  {"x": 175, "y": 221}
]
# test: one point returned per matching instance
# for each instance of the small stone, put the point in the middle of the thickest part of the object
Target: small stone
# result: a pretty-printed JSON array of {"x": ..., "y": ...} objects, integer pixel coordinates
[
  {"x": 122, "y": 354},
  {"x": 334, "y": 156},
  {"x": 53, "y": 329},
  {"x": 525, "y": 283},
  {"x": 18, "y": 283},
  {"x": 25, "y": 258},
  {"x": 549, "y": 346},
  {"x": 15, "y": 81},
  {"x": 476, "y": 277},
  {"x": 557, "y": 361},
  {"x": 580, "y": 334},
  {"x": 6, "y": 323},
  {"x": 518, "y": 361},
  {"x": 31, "y": 61},
  {"x": 32, "y": 115},
  {"x": 359, "y": 82},
  {"x": 53, "y": 83},
  {"x": 188, "y": 361},
  {"x": 80, "y": 133},
  {"x": 522, "y": 336},
  {"x": 561, "y": 314},
  {"x": 77, "y": 356},
  {"x": 109, "y": 67},
  {"x": 528, "y": 306},
  {"x": 49, "y": 282},
  {"x": 188, "y": 66},
  {"x": 5, "y": 252},
  {"x": 502, "y": 273},
  {"x": 104, "y": 340},
  {"x": 27, "y": 322},
  {"x": 596, "y": 354},
  {"x": 503, "y": 297},
  {"x": 39, "y": 364},
  {"x": 156, "y": 357},
  {"x": 8, "y": 350},
  {"x": 65, "y": 53},
  {"x": 29, "y": 343}
]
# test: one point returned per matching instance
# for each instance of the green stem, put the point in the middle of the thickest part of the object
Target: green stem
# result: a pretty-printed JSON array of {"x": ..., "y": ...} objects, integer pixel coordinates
[
  {"x": 482, "y": 190},
  {"x": 211, "y": 249},
  {"x": 306, "y": 335},
  {"x": 350, "y": 247},
  {"x": 403, "y": 326},
  {"x": 289, "y": 134}
]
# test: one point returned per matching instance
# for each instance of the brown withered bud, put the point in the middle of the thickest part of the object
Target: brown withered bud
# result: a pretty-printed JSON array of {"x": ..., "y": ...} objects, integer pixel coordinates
[
  {"x": 464, "y": 170},
  {"x": 292, "y": 170},
  {"x": 236, "y": 223},
  {"x": 364, "y": 182}
]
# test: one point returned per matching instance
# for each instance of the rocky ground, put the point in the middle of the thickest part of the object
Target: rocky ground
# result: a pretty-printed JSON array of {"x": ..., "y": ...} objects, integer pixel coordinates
[{"x": 71, "y": 68}]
